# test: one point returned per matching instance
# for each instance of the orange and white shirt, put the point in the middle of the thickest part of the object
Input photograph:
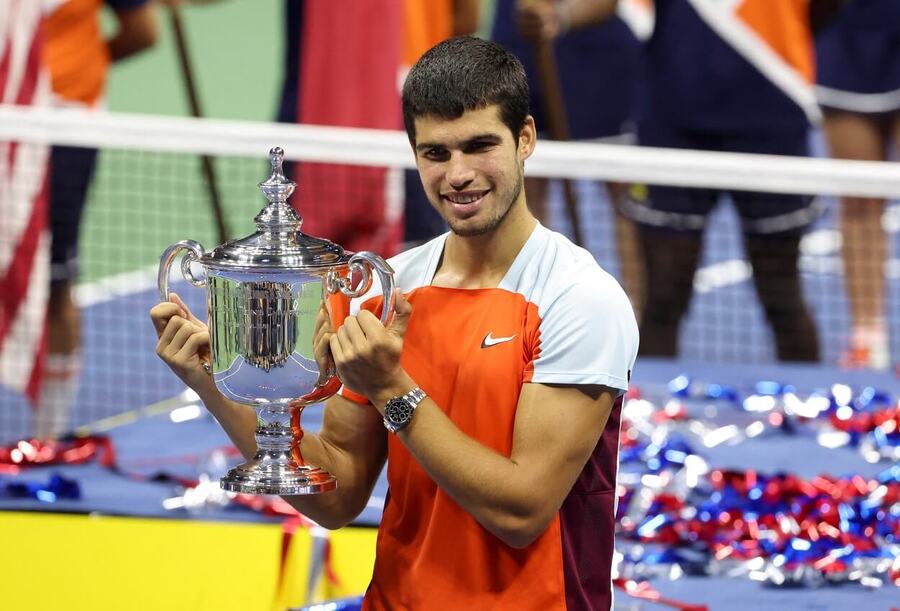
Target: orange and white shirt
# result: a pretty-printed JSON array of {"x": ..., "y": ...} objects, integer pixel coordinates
[{"x": 555, "y": 318}]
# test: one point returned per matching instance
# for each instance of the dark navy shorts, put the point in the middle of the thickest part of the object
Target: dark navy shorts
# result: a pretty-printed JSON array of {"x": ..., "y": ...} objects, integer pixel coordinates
[
  {"x": 686, "y": 209},
  {"x": 71, "y": 170},
  {"x": 858, "y": 60},
  {"x": 859, "y": 71}
]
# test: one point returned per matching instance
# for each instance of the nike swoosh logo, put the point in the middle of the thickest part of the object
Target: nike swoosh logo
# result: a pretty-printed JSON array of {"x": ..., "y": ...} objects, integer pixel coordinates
[{"x": 489, "y": 340}]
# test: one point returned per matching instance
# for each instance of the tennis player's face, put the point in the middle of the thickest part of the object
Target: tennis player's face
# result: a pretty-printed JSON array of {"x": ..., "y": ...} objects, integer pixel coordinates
[{"x": 472, "y": 168}]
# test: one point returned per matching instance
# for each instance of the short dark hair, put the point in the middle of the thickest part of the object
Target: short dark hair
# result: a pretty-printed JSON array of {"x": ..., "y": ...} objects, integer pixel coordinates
[{"x": 465, "y": 73}]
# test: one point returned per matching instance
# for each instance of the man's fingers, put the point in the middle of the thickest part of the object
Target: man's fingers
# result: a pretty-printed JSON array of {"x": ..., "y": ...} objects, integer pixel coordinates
[
  {"x": 336, "y": 351},
  {"x": 172, "y": 327},
  {"x": 174, "y": 298},
  {"x": 197, "y": 343},
  {"x": 181, "y": 337},
  {"x": 160, "y": 315},
  {"x": 402, "y": 312},
  {"x": 351, "y": 334},
  {"x": 322, "y": 344},
  {"x": 369, "y": 323},
  {"x": 323, "y": 320}
]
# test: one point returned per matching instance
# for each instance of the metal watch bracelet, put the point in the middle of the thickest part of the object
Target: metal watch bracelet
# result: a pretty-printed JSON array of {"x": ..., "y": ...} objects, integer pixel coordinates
[{"x": 399, "y": 410}]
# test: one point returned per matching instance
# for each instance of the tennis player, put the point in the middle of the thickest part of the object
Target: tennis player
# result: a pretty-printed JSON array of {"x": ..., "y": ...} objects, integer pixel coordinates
[{"x": 495, "y": 395}]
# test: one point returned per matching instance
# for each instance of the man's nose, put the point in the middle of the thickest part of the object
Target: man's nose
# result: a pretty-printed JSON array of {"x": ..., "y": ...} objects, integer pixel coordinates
[{"x": 459, "y": 171}]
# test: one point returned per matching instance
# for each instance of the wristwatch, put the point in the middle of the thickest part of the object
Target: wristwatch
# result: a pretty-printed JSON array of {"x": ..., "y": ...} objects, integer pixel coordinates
[{"x": 399, "y": 410}]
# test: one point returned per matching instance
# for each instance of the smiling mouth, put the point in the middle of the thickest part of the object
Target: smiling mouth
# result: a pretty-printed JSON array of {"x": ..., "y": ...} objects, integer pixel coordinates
[{"x": 464, "y": 200}]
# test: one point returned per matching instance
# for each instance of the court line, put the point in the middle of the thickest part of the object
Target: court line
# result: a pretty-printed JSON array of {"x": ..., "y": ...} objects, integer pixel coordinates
[
  {"x": 710, "y": 277},
  {"x": 182, "y": 399},
  {"x": 119, "y": 285}
]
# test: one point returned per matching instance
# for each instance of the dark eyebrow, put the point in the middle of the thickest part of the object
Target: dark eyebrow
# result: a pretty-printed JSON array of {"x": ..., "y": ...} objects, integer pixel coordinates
[
  {"x": 492, "y": 138},
  {"x": 488, "y": 137},
  {"x": 424, "y": 146}
]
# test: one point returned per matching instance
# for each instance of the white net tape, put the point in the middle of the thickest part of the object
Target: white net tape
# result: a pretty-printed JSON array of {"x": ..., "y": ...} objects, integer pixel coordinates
[{"x": 589, "y": 161}]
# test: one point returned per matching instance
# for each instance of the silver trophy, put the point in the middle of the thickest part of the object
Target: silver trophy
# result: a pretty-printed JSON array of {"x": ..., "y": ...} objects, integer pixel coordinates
[{"x": 264, "y": 292}]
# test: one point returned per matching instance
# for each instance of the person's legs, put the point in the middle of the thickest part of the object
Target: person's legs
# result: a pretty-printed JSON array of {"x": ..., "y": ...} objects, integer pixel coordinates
[
  {"x": 774, "y": 258},
  {"x": 773, "y": 224},
  {"x": 670, "y": 259},
  {"x": 864, "y": 242},
  {"x": 670, "y": 222},
  {"x": 631, "y": 263},
  {"x": 71, "y": 170}
]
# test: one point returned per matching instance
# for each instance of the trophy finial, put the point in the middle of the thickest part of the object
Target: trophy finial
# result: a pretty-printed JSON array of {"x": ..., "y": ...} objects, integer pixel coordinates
[
  {"x": 276, "y": 158},
  {"x": 277, "y": 188}
]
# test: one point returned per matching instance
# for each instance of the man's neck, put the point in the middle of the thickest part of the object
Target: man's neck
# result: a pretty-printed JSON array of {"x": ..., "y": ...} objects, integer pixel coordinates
[{"x": 482, "y": 261}]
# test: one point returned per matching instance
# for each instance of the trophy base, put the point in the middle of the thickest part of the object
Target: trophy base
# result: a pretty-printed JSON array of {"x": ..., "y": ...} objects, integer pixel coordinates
[{"x": 263, "y": 476}]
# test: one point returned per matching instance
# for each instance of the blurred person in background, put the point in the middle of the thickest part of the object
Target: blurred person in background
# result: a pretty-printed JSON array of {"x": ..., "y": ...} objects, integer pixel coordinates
[
  {"x": 339, "y": 70},
  {"x": 727, "y": 77},
  {"x": 361, "y": 208},
  {"x": 24, "y": 240},
  {"x": 858, "y": 65},
  {"x": 426, "y": 23},
  {"x": 597, "y": 73},
  {"x": 77, "y": 56}
]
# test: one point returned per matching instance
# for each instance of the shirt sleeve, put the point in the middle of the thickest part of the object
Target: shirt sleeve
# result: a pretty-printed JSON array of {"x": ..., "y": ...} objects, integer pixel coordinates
[{"x": 587, "y": 335}]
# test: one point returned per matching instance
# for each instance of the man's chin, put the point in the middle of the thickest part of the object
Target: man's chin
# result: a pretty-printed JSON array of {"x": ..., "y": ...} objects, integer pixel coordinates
[{"x": 466, "y": 229}]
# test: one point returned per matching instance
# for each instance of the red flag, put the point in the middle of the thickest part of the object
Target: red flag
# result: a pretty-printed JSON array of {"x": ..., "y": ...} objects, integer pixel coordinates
[
  {"x": 349, "y": 76},
  {"x": 24, "y": 239}
]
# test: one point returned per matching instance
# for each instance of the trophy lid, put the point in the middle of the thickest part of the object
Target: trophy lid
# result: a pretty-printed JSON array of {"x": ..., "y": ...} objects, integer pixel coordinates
[{"x": 278, "y": 242}]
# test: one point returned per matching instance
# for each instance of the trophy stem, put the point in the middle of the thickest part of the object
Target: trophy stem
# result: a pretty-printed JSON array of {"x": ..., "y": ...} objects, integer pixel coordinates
[{"x": 278, "y": 466}]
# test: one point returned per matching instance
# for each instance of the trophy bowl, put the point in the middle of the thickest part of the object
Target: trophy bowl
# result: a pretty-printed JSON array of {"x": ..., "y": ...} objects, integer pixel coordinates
[{"x": 264, "y": 293}]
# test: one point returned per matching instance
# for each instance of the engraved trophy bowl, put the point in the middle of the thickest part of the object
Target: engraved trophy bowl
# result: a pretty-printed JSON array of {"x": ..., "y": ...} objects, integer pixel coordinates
[{"x": 264, "y": 293}]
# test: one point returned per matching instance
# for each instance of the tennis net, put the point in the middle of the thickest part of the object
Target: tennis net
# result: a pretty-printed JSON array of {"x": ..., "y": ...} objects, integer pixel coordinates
[{"x": 150, "y": 190}]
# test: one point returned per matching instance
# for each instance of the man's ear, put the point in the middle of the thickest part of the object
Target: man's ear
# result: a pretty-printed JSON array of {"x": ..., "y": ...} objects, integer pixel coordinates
[{"x": 527, "y": 138}]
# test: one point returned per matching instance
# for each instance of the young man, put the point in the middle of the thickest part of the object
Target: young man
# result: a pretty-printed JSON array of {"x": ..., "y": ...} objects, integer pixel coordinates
[{"x": 500, "y": 380}]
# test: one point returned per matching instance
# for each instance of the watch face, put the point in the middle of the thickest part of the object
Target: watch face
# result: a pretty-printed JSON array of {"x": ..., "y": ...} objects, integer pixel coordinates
[{"x": 398, "y": 411}]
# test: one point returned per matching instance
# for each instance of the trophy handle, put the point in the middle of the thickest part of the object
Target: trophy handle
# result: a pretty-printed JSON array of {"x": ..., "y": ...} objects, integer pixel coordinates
[
  {"x": 361, "y": 262},
  {"x": 194, "y": 252}
]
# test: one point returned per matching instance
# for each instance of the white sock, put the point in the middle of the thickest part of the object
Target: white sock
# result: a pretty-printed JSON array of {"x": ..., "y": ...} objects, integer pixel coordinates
[
  {"x": 875, "y": 338},
  {"x": 60, "y": 383}
]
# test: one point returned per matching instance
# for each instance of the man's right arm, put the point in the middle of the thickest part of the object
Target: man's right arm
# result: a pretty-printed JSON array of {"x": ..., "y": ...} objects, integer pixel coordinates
[{"x": 352, "y": 444}]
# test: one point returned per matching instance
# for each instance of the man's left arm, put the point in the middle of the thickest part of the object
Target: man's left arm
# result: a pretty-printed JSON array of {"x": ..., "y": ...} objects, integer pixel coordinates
[{"x": 516, "y": 497}]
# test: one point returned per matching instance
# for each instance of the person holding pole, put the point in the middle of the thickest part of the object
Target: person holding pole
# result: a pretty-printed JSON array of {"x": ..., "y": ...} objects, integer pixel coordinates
[
  {"x": 725, "y": 77},
  {"x": 583, "y": 87}
]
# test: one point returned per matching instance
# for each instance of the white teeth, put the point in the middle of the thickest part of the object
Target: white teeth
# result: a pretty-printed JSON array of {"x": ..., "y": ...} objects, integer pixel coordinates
[{"x": 464, "y": 199}]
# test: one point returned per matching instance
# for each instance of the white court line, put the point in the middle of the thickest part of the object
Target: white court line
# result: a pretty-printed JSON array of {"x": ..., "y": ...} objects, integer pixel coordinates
[
  {"x": 113, "y": 287},
  {"x": 708, "y": 278},
  {"x": 722, "y": 274},
  {"x": 820, "y": 252}
]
